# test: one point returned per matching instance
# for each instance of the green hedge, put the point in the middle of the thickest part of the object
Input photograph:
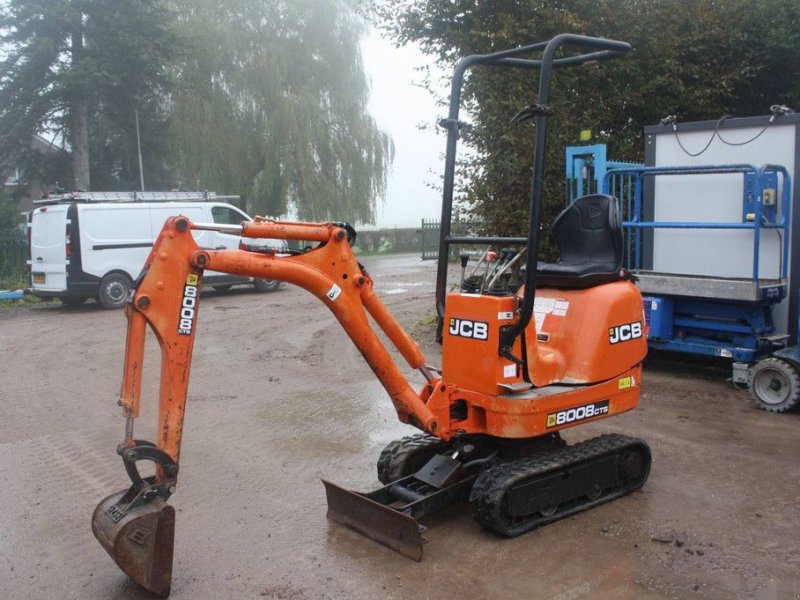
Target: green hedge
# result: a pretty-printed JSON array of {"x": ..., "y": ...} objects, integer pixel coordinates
[{"x": 13, "y": 257}]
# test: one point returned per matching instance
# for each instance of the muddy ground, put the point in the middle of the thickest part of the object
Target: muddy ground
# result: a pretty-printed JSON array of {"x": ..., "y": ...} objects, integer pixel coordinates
[{"x": 279, "y": 398}]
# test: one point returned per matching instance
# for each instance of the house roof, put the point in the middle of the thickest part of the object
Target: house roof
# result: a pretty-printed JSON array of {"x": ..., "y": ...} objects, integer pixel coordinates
[{"x": 44, "y": 145}]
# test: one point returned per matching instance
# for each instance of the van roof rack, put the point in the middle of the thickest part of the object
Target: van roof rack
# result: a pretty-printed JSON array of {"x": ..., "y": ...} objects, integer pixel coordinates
[{"x": 198, "y": 196}]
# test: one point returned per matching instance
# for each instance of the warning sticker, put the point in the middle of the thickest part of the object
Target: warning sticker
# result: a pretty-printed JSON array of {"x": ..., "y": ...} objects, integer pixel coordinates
[
  {"x": 551, "y": 306},
  {"x": 548, "y": 306},
  {"x": 334, "y": 292},
  {"x": 543, "y": 305}
]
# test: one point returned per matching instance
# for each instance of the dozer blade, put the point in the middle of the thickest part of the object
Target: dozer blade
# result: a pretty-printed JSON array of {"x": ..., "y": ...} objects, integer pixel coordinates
[
  {"x": 139, "y": 538},
  {"x": 379, "y": 522}
]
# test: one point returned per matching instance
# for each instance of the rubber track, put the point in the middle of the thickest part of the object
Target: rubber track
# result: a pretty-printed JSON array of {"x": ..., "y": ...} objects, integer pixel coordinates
[
  {"x": 486, "y": 498},
  {"x": 396, "y": 454}
]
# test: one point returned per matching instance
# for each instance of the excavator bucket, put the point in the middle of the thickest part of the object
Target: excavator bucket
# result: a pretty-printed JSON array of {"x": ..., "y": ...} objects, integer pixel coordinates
[
  {"x": 388, "y": 526},
  {"x": 139, "y": 537}
]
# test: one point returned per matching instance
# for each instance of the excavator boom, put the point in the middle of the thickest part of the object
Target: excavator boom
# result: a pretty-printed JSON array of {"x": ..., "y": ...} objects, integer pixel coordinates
[{"x": 136, "y": 525}]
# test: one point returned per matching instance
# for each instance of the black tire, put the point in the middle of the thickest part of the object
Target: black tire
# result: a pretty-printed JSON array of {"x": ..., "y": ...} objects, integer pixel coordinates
[
  {"x": 774, "y": 385},
  {"x": 223, "y": 288},
  {"x": 114, "y": 290},
  {"x": 73, "y": 300},
  {"x": 266, "y": 285}
]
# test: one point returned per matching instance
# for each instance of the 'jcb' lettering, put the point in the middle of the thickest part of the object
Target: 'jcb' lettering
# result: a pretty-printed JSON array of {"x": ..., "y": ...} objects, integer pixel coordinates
[
  {"x": 624, "y": 333},
  {"x": 476, "y": 330}
]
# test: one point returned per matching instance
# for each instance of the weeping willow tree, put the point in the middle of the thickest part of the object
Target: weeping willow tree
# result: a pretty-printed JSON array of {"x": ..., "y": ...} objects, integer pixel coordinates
[{"x": 271, "y": 103}]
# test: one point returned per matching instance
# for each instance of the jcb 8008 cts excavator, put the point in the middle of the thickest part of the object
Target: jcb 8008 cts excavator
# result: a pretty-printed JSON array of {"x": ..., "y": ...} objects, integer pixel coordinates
[{"x": 520, "y": 362}]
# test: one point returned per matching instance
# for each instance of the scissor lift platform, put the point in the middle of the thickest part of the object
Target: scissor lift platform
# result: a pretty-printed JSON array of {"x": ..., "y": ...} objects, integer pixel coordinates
[{"x": 728, "y": 289}]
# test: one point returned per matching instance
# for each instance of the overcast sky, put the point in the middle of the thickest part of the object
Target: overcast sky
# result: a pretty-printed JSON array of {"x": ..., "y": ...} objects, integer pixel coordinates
[{"x": 399, "y": 106}]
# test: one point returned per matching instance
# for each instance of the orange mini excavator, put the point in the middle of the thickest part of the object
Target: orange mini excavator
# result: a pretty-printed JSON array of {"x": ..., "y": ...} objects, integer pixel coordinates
[{"x": 526, "y": 353}]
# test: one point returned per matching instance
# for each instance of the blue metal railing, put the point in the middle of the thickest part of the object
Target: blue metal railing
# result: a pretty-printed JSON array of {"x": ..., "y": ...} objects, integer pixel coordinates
[
  {"x": 586, "y": 166},
  {"x": 634, "y": 223}
]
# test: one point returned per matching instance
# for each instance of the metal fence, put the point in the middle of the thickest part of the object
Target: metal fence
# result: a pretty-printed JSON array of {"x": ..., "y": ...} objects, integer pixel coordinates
[
  {"x": 386, "y": 241},
  {"x": 13, "y": 257},
  {"x": 430, "y": 240},
  {"x": 430, "y": 236}
]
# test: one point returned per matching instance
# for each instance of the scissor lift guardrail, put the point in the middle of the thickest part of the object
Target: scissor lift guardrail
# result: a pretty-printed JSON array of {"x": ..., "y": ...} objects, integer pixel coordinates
[
  {"x": 709, "y": 314},
  {"x": 635, "y": 223}
]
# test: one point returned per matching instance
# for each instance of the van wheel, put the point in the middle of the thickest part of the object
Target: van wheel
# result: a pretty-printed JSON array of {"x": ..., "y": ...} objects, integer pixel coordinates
[
  {"x": 114, "y": 290},
  {"x": 73, "y": 300},
  {"x": 266, "y": 285}
]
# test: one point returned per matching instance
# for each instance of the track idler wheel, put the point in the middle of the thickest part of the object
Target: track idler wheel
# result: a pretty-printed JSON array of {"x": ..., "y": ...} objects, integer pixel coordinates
[
  {"x": 136, "y": 526},
  {"x": 407, "y": 455}
]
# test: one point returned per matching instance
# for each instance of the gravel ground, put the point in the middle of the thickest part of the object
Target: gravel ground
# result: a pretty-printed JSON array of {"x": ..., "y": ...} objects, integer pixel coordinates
[{"x": 279, "y": 398}]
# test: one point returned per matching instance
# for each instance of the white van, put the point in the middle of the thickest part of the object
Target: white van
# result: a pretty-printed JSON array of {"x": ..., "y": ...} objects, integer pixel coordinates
[{"x": 81, "y": 249}]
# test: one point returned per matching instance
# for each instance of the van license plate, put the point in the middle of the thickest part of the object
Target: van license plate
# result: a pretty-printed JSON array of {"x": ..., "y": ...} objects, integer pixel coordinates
[{"x": 38, "y": 278}]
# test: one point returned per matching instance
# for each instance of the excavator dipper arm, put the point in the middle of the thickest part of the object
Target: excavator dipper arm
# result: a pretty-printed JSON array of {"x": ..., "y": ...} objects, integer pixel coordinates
[{"x": 136, "y": 525}]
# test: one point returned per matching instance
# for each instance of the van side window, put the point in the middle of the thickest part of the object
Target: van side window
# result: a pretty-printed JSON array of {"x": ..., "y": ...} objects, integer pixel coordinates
[{"x": 225, "y": 215}]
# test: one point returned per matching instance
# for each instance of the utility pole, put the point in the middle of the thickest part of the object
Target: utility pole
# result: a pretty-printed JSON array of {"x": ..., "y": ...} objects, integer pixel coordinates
[{"x": 139, "y": 148}]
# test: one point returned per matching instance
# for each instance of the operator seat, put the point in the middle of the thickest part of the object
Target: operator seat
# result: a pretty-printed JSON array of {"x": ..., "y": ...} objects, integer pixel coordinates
[{"x": 588, "y": 234}]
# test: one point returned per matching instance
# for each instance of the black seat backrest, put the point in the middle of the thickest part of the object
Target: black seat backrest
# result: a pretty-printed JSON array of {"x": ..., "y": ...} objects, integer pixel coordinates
[{"x": 589, "y": 231}]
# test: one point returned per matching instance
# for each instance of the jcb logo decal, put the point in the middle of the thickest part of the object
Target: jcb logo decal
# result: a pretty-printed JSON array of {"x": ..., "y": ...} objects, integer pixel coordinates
[
  {"x": 476, "y": 330},
  {"x": 189, "y": 304},
  {"x": 624, "y": 333}
]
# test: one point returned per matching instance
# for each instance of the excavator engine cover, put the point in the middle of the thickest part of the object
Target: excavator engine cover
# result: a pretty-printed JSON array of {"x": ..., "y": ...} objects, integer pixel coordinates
[{"x": 138, "y": 536}]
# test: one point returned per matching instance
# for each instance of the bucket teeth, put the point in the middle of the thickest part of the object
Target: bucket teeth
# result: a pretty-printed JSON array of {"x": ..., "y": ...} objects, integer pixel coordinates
[{"x": 139, "y": 538}]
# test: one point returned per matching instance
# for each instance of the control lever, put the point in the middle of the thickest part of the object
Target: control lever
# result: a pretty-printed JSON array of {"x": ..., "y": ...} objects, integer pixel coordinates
[{"x": 464, "y": 260}]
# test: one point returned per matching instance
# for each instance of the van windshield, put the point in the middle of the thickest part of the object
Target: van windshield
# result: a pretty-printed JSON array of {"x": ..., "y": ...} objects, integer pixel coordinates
[{"x": 225, "y": 215}]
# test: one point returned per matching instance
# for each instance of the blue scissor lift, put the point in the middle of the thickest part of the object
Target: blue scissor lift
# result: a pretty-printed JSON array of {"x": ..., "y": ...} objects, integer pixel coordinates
[{"x": 728, "y": 317}]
